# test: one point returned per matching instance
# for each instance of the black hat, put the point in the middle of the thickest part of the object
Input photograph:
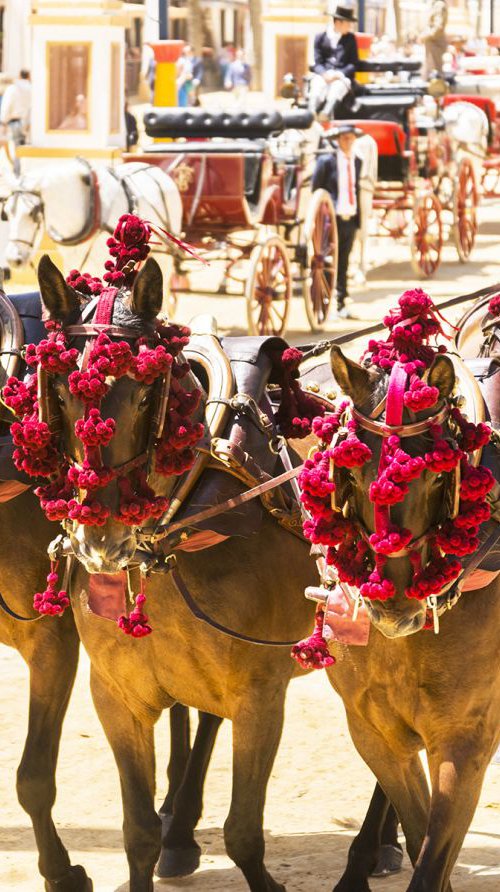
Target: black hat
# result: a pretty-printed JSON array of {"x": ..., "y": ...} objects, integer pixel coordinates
[
  {"x": 345, "y": 14},
  {"x": 340, "y": 129}
]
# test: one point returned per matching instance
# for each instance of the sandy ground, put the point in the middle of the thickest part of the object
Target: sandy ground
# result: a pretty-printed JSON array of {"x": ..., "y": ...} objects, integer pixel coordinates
[
  {"x": 316, "y": 799},
  {"x": 319, "y": 788}
]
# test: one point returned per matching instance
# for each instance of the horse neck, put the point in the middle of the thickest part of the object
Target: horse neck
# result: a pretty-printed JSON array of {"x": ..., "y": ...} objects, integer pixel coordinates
[
  {"x": 112, "y": 198},
  {"x": 64, "y": 190}
]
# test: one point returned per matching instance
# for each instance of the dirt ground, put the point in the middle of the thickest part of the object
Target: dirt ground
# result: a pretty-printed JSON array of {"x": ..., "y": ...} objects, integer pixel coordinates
[{"x": 316, "y": 799}]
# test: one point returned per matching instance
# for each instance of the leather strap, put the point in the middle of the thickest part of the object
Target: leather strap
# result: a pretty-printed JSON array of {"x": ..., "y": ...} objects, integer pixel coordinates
[
  {"x": 200, "y": 614},
  {"x": 193, "y": 519},
  {"x": 8, "y": 610}
]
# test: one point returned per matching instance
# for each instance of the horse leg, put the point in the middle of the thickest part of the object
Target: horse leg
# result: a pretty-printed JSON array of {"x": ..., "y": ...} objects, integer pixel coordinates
[
  {"x": 132, "y": 742},
  {"x": 52, "y": 664},
  {"x": 457, "y": 771},
  {"x": 180, "y": 853},
  {"x": 256, "y": 734},
  {"x": 391, "y": 852},
  {"x": 180, "y": 750},
  {"x": 404, "y": 783}
]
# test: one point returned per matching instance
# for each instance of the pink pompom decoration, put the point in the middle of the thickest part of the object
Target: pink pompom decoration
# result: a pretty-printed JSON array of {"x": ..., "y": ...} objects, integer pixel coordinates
[
  {"x": 312, "y": 652},
  {"x": 442, "y": 457},
  {"x": 390, "y": 541},
  {"x": 377, "y": 588},
  {"x": 351, "y": 453},
  {"x": 384, "y": 492},
  {"x": 136, "y": 623},
  {"x": 51, "y": 602},
  {"x": 89, "y": 512},
  {"x": 420, "y": 396},
  {"x": 20, "y": 396},
  {"x": 456, "y": 540},
  {"x": 94, "y": 430},
  {"x": 476, "y": 483},
  {"x": 494, "y": 306},
  {"x": 90, "y": 386},
  {"x": 433, "y": 578},
  {"x": 472, "y": 514}
]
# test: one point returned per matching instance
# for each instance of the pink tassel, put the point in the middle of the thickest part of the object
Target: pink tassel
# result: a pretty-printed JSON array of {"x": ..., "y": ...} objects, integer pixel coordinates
[
  {"x": 312, "y": 652},
  {"x": 51, "y": 602}
]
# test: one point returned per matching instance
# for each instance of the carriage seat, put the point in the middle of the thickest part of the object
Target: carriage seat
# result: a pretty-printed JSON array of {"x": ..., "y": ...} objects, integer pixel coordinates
[
  {"x": 194, "y": 123},
  {"x": 386, "y": 108},
  {"x": 393, "y": 163}
]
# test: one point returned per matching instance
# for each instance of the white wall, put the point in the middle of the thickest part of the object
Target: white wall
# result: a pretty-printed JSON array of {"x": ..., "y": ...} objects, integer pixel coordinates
[{"x": 16, "y": 42}]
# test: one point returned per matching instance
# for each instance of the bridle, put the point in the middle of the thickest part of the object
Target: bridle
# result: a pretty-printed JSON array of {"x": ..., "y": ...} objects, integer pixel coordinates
[
  {"x": 36, "y": 214},
  {"x": 102, "y": 308},
  {"x": 392, "y": 405}
]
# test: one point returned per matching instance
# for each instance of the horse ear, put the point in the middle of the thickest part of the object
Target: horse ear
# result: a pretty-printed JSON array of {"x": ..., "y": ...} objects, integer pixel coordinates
[
  {"x": 59, "y": 298},
  {"x": 353, "y": 379},
  {"x": 147, "y": 294},
  {"x": 442, "y": 375}
]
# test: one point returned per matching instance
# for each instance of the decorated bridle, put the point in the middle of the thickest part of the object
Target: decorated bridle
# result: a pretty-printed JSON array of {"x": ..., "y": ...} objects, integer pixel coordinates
[
  {"x": 358, "y": 557},
  {"x": 155, "y": 358}
]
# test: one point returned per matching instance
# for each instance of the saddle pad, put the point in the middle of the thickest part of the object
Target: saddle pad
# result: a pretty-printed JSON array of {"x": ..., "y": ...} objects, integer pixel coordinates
[{"x": 9, "y": 489}]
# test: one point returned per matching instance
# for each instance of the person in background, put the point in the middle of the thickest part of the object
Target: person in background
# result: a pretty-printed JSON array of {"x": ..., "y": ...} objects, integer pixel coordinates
[
  {"x": 15, "y": 112},
  {"x": 335, "y": 63},
  {"x": 132, "y": 131},
  {"x": 207, "y": 72},
  {"x": 184, "y": 80},
  {"x": 434, "y": 37},
  {"x": 338, "y": 171},
  {"x": 239, "y": 77},
  {"x": 226, "y": 56}
]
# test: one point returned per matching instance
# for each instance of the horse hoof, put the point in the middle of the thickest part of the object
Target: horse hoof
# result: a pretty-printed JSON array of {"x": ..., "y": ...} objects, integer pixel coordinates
[
  {"x": 75, "y": 880},
  {"x": 349, "y": 884},
  {"x": 390, "y": 861},
  {"x": 177, "y": 862}
]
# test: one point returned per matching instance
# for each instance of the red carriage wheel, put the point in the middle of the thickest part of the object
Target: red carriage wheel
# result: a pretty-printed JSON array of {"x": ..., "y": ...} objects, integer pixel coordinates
[
  {"x": 464, "y": 210},
  {"x": 268, "y": 288},
  {"x": 320, "y": 274},
  {"x": 426, "y": 238}
]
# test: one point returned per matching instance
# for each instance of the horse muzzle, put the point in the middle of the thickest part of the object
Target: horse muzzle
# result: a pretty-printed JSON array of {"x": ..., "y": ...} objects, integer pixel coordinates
[
  {"x": 100, "y": 553},
  {"x": 396, "y": 624}
]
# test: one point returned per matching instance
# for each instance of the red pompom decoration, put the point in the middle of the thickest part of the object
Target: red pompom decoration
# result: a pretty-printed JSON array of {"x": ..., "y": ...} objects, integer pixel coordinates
[
  {"x": 136, "y": 623},
  {"x": 312, "y": 652},
  {"x": 51, "y": 602},
  {"x": 476, "y": 483}
]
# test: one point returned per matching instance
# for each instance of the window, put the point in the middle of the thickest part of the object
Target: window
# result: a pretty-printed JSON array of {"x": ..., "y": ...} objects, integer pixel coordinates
[{"x": 68, "y": 88}]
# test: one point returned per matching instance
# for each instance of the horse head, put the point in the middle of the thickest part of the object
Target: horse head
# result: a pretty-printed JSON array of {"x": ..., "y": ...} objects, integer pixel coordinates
[
  {"x": 428, "y": 497},
  {"x": 24, "y": 212},
  {"x": 128, "y": 408}
]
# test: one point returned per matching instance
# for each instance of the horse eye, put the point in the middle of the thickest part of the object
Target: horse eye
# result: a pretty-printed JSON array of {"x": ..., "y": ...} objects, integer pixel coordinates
[
  {"x": 60, "y": 399},
  {"x": 144, "y": 402}
]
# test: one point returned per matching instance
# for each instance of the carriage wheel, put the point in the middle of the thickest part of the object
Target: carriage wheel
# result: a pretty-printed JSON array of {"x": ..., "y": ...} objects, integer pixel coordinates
[
  {"x": 426, "y": 238},
  {"x": 464, "y": 210},
  {"x": 268, "y": 288},
  {"x": 320, "y": 274}
]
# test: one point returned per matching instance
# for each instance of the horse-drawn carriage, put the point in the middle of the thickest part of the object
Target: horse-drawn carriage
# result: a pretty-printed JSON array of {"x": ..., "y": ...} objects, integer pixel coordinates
[
  {"x": 486, "y": 133},
  {"x": 242, "y": 194}
]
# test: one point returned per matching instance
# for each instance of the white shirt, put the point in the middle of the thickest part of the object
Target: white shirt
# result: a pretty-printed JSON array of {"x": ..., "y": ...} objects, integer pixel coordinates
[
  {"x": 344, "y": 207},
  {"x": 333, "y": 36},
  {"x": 16, "y": 102}
]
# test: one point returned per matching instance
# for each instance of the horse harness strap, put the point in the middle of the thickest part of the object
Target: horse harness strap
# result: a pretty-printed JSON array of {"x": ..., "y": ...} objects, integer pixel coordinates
[
  {"x": 93, "y": 222},
  {"x": 200, "y": 614},
  {"x": 259, "y": 490}
]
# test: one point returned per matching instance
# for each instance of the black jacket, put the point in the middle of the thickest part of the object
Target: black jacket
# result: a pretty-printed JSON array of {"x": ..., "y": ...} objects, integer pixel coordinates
[
  {"x": 325, "y": 176},
  {"x": 344, "y": 57}
]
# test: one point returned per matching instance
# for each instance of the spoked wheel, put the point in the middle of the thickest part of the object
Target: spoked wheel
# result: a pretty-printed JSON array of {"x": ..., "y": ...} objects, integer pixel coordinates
[
  {"x": 268, "y": 288},
  {"x": 464, "y": 210},
  {"x": 426, "y": 238},
  {"x": 321, "y": 254}
]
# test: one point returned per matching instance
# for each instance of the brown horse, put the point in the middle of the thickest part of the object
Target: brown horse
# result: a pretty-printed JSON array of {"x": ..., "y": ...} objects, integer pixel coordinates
[
  {"x": 183, "y": 660},
  {"x": 408, "y": 692},
  {"x": 51, "y": 651}
]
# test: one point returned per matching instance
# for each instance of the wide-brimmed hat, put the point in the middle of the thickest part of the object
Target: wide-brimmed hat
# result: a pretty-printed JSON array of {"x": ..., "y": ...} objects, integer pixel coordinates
[
  {"x": 340, "y": 129},
  {"x": 345, "y": 14}
]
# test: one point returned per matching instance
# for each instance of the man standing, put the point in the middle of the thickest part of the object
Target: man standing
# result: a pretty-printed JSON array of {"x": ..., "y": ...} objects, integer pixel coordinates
[
  {"x": 338, "y": 172},
  {"x": 15, "y": 112},
  {"x": 434, "y": 37},
  {"x": 335, "y": 63}
]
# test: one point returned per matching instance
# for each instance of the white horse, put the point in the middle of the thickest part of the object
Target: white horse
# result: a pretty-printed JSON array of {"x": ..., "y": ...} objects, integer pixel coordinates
[
  {"x": 366, "y": 149},
  {"x": 75, "y": 204},
  {"x": 468, "y": 127}
]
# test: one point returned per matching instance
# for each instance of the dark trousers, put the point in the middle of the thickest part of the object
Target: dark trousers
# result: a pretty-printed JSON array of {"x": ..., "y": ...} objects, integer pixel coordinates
[{"x": 346, "y": 234}]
